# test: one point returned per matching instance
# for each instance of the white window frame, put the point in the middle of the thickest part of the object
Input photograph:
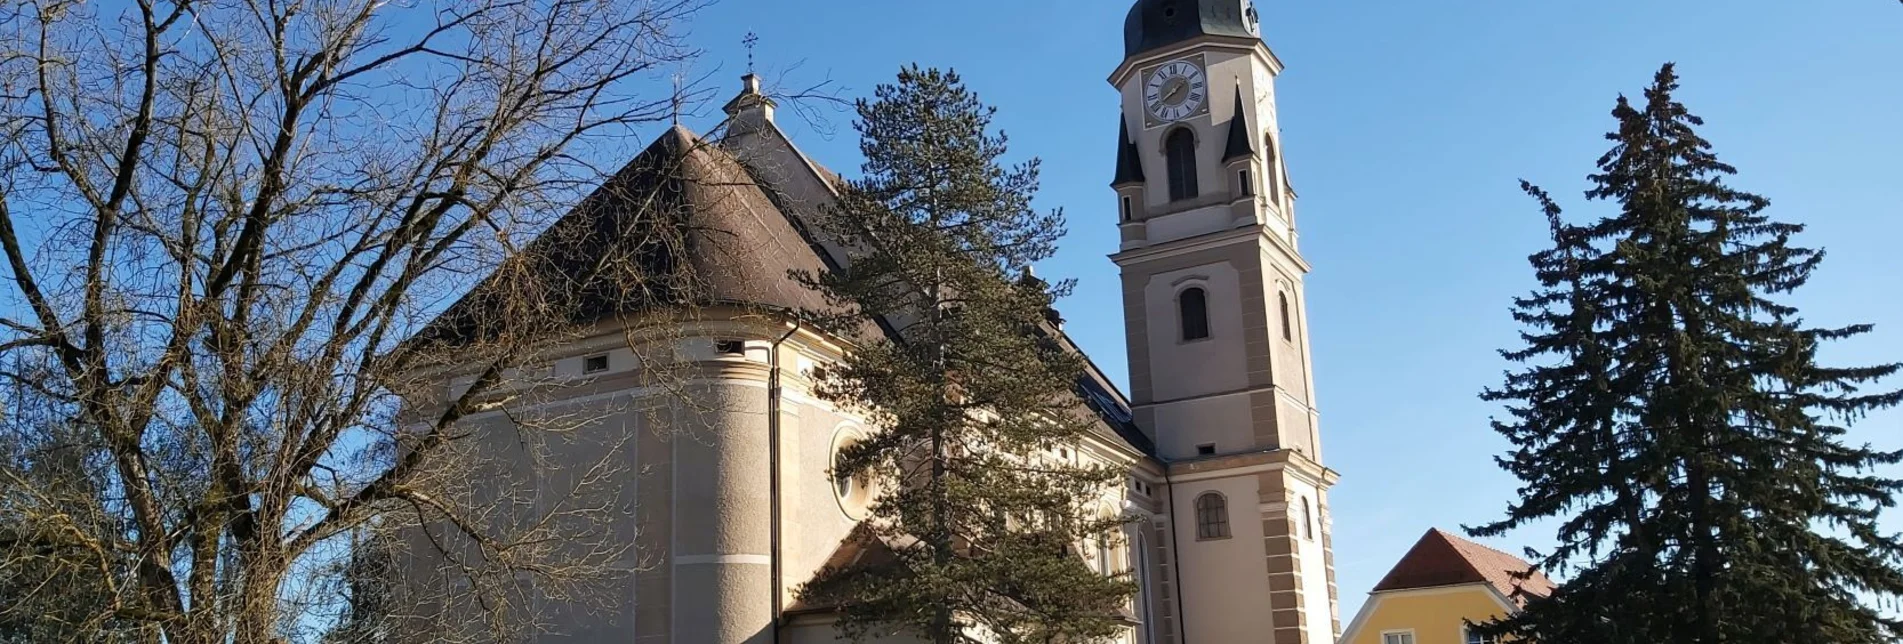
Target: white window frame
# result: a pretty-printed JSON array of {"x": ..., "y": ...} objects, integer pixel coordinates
[
  {"x": 1467, "y": 636},
  {"x": 1406, "y": 634}
]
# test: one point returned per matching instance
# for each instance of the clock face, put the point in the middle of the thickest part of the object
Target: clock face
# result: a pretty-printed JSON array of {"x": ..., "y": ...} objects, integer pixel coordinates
[{"x": 1175, "y": 90}]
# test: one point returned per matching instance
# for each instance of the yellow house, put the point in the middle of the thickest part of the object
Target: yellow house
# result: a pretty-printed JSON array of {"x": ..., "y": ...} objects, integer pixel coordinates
[{"x": 1441, "y": 584}]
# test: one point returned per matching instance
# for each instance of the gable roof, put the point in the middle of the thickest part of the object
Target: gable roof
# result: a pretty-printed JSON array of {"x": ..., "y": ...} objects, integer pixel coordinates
[
  {"x": 682, "y": 223},
  {"x": 1442, "y": 559}
]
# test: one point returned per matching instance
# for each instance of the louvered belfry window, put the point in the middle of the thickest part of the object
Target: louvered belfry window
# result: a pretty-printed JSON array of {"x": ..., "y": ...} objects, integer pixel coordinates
[{"x": 1180, "y": 152}]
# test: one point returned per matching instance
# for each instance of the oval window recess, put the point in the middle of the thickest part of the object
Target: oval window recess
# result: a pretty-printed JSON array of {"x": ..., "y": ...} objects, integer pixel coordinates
[{"x": 854, "y": 494}]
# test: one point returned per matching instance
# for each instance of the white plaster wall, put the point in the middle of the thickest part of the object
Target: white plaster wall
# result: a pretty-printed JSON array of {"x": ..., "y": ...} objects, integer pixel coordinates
[
  {"x": 814, "y": 521},
  {"x": 1296, "y": 425},
  {"x": 1225, "y": 582},
  {"x": 1209, "y": 420},
  {"x": 1321, "y": 613},
  {"x": 1290, "y": 364},
  {"x": 1183, "y": 225},
  {"x": 1218, "y": 363},
  {"x": 601, "y": 433},
  {"x": 612, "y": 440}
]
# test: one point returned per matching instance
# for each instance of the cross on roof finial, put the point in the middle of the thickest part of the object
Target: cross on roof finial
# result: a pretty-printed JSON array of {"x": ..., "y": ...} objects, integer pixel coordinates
[{"x": 751, "y": 40}]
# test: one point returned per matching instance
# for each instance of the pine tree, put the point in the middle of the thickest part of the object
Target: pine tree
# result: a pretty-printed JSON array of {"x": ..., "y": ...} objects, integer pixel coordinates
[
  {"x": 970, "y": 397},
  {"x": 1677, "y": 417}
]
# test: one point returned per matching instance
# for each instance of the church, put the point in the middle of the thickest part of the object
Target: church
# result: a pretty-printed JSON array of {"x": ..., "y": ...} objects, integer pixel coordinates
[{"x": 1226, "y": 496}]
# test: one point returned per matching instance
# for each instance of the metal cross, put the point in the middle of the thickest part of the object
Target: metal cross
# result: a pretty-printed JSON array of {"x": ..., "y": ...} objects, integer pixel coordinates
[{"x": 751, "y": 40}]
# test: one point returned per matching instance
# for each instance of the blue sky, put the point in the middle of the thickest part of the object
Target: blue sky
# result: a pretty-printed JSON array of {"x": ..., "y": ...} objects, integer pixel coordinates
[{"x": 1406, "y": 125}]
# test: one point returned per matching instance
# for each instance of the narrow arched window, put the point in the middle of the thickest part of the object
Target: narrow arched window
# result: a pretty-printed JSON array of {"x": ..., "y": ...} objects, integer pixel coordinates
[
  {"x": 1308, "y": 521},
  {"x": 1212, "y": 516},
  {"x": 1193, "y": 309},
  {"x": 1288, "y": 325},
  {"x": 1180, "y": 150},
  {"x": 1270, "y": 166}
]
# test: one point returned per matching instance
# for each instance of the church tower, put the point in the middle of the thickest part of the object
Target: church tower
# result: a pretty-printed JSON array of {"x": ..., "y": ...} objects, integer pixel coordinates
[{"x": 1214, "y": 315}]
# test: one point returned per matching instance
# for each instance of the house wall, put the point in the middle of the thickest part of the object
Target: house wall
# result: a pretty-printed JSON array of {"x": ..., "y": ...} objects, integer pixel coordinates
[
  {"x": 1226, "y": 581},
  {"x": 1434, "y": 615}
]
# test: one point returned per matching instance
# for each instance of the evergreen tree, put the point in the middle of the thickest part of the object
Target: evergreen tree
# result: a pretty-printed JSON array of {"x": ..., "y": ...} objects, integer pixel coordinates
[
  {"x": 970, "y": 397},
  {"x": 1677, "y": 417}
]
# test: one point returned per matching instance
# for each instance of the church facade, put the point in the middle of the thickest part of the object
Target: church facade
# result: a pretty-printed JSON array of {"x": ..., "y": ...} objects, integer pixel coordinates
[{"x": 1227, "y": 495}]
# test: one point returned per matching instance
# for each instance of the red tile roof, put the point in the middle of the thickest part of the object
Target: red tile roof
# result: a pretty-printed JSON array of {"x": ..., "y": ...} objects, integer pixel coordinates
[{"x": 1442, "y": 559}]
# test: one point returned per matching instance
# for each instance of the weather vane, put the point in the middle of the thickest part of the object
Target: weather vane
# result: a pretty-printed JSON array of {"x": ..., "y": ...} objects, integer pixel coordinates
[{"x": 751, "y": 40}]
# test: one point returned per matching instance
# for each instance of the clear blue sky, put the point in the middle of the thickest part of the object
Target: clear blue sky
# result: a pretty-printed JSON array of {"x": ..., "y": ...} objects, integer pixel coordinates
[{"x": 1407, "y": 124}]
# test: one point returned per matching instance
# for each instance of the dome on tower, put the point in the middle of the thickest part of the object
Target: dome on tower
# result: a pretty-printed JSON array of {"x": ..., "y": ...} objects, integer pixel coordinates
[{"x": 1160, "y": 23}]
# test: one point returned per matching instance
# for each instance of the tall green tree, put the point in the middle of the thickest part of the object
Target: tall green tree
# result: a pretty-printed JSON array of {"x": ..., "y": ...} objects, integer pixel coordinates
[
  {"x": 1675, "y": 415},
  {"x": 971, "y": 398}
]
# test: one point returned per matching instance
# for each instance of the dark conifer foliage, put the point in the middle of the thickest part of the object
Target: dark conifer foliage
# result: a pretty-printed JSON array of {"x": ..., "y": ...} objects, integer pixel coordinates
[
  {"x": 971, "y": 401},
  {"x": 1675, "y": 416}
]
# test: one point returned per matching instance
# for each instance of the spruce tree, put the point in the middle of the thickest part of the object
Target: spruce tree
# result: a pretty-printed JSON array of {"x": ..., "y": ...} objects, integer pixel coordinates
[
  {"x": 1675, "y": 415},
  {"x": 969, "y": 397}
]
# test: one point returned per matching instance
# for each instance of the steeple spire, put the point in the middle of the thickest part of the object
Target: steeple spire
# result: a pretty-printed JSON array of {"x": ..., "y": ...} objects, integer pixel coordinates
[
  {"x": 1241, "y": 143},
  {"x": 1129, "y": 161}
]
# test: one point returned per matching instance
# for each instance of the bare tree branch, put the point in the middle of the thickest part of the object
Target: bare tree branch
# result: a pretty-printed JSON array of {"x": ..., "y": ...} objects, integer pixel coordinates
[{"x": 226, "y": 223}]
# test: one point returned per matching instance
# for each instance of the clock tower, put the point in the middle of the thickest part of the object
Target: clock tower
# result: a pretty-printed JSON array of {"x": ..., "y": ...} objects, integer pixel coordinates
[{"x": 1214, "y": 314}]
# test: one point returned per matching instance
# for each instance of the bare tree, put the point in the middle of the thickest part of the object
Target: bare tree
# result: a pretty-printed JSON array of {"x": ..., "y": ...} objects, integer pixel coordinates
[{"x": 228, "y": 225}]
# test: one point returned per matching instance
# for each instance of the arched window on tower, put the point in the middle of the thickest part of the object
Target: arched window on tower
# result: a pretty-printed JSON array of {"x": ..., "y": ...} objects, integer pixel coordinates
[
  {"x": 1180, "y": 149},
  {"x": 1193, "y": 310},
  {"x": 1270, "y": 166},
  {"x": 1288, "y": 325},
  {"x": 1212, "y": 516},
  {"x": 1308, "y": 521}
]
